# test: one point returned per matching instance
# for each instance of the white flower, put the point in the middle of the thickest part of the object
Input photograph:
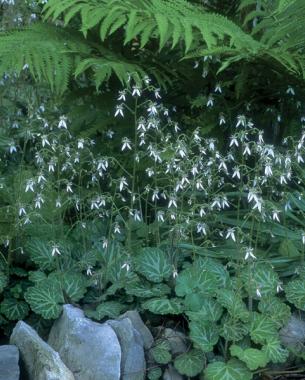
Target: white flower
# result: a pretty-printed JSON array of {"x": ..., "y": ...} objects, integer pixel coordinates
[
  {"x": 210, "y": 101},
  {"x": 22, "y": 210},
  {"x": 69, "y": 187},
  {"x": 150, "y": 172},
  {"x": 175, "y": 273},
  {"x": 152, "y": 109},
  {"x": 58, "y": 203},
  {"x": 89, "y": 271},
  {"x": 222, "y": 119},
  {"x": 44, "y": 140},
  {"x": 62, "y": 122},
  {"x": 247, "y": 150},
  {"x": 29, "y": 185},
  {"x": 202, "y": 212},
  {"x": 126, "y": 143},
  {"x": 155, "y": 195},
  {"x": 196, "y": 65},
  {"x": 12, "y": 148},
  {"x": 172, "y": 201},
  {"x": 136, "y": 215},
  {"x": 109, "y": 134},
  {"x": 27, "y": 221},
  {"x": 249, "y": 253},
  {"x": 117, "y": 229},
  {"x": 119, "y": 110},
  {"x": 38, "y": 201},
  {"x": 51, "y": 165},
  {"x": 279, "y": 287},
  {"x": 231, "y": 234},
  {"x": 283, "y": 180},
  {"x": 258, "y": 293},
  {"x": 105, "y": 243},
  {"x": 199, "y": 185},
  {"x": 218, "y": 88},
  {"x": 136, "y": 91},
  {"x": 303, "y": 237},
  {"x": 290, "y": 90},
  {"x": 268, "y": 169},
  {"x": 123, "y": 182},
  {"x": 260, "y": 137},
  {"x": 233, "y": 141},
  {"x": 126, "y": 266},
  {"x": 236, "y": 172},
  {"x": 80, "y": 144},
  {"x": 157, "y": 93},
  {"x": 202, "y": 228},
  {"x": 160, "y": 216},
  {"x": 55, "y": 250},
  {"x": 141, "y": 125},
  {"x": 275, "y": 215},
  {"x": 241, "y": 120},
  {"x": 122, "y": 95}
]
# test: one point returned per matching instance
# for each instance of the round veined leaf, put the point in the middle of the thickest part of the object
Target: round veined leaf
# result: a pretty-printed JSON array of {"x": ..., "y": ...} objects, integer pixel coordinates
[
  {"x": 37, "y": 276},
  {"x": 295, "y": 293},
  {"x": 154, "y": 373},
  {"x": 232, "y": 370},
  {"x": 194, "y": 279},
  {"x": 204, "y": 335},
  {"x": 154, "y": 264},
  {"x": 262, "y": 328},
  {"x": 233, "y": 302},
  {"x": 13, "y": 309},
  {"x": 161, "y": 352},
  {"x": 201, "y": 308},
  {"x": 252, "y": 357},
  {"x": 215, "y": 267},
  {"x": 45, "y": 299},
  {"x": 110, "y": 309},
  {"x": 190, "y": 363},
  {"x": 164, "y": 306},
  {"x": 41, "y": 253},
  {"x": 232, "y": 329},
  {"x": 263, "y": 278},
  {"x": 275, "y": 352},
  {"x": 275, "y": 309},
  {"x": 143, "y": 289}
]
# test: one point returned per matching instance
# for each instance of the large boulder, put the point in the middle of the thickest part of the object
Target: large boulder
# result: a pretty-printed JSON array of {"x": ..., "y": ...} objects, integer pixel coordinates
[
  {"x": 133, "y": 365},
  {"x": 40, "y": 360},
  {"x": 9, "y": 363},
  {"x": 142, "y": 329},
  {"x": 91, "y": 350}
]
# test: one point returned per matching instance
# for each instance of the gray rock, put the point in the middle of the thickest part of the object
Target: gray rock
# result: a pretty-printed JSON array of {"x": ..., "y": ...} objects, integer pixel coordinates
[
  {"x": 138, "y": 324},
  {"x": 9, "y": 359},
  {"x": 177, "y": 341},
  {"x": 90, "y": 349},
  {"x": 293, "y": 334},
  {"x": 40, "y": 360},
  {"x": 172, "y": 374},
  {"x": 133, "y": 363}
]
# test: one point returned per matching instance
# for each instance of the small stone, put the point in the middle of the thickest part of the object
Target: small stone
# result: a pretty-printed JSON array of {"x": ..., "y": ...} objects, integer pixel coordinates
[
  {"x": 139, "y": 325},
  {"x": 40, "y": 360},
  {"x": 293, "y": 334},
  {"x": 133, "y": 364},
  {"x": 177, "y": 341},
  {"x": 91, "y": 350},
  {"x": 172, "y": 374},
  {"x": 9, "y": 359}
]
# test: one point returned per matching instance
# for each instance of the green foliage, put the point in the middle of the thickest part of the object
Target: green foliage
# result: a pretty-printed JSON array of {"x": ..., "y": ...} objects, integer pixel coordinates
[
  {"x": 190, "y": 364},
  {"x": 161, "y": 352},
  {"x": 233, "y": 369},
  {"x": 252, "y": 357},
  {"x": 295, "y": 293}
]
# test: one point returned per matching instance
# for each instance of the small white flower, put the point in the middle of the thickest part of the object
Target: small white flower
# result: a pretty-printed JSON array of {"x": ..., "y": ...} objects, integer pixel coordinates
[
  {"x": 80, "y": 143},
  {"x": 44, "y": 140},
  {"x": 62, "y": 122},
  {"x": 260, "y": 137},
  {"x": 249, "y": 253},
  {"x": 279, "y": 287},
  {"x": 136, "y": 91},
  {"x": 258, "y": 293},
  {"x": 172, "y": 201},
  {"x": 29, "y": 185},
  {"x": 218, "y": 88},
  {"x": 117, "y": 229},
  {"x": 119, "y": 111},
  {"x": 152, "y": 109},
  {"x": 69, "y": 187},
  {"x": 275, "y": 215},
  {"x": 290, "y": 90},
  {"x": 55, "y": 250},
  {"x": 126, "y": 143},
  {"x": 234, "y": 141},
  {"x": 109, "y": 134},
  {"x": 175, "y": 273},
  {"x": 105, "y": 243},
  {"x": 236, "y": 172},
  {"x": 123, "y": 183},
  {"x": 160, "y": 216},
  {"x": 122, "y": 95},
  {"x": 41, "y": 178},
  {"x": 126, "y": 266},
  {"x": 268, "y": 169},
  {"x": 241, "y": 120},
  {"x": 157, "y": 93},
  {"x": 58, "y": 203},
  {"x": 247, "y": 150},
  {"x": 222, "y": 119},
  {"x": 38, "y": 201},
  {"x": 51, "y": 166},
  {"x": 283, "y": 180},
  {"x": 12, "y": 148},
  {"x": 231, "y": 234},
  {"x": 303, "y": 237},
  {"x": 202, "y": 228},
  {"x": 89, "y": 271},
  {"x": 22, "y": 210},
  {"x": 155, "y": 195},
  {"x": 210, "y": 101},
  {"x": 27, "y": 221}
]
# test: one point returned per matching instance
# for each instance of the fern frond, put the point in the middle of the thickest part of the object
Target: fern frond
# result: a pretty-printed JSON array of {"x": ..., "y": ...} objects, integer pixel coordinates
[{"x": 175, "y": 20}]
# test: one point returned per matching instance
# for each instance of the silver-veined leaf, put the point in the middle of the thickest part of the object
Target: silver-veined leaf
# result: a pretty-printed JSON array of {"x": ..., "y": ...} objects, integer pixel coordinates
[
  {"x": 14, "y": 309},
  {"x": 232, "y": 370},
  {"x": 190, "y": 363},
  {"x": 164, "y": 306},
  {"x": 204, "y": 335},
  {"x": 252, "y": 357}
]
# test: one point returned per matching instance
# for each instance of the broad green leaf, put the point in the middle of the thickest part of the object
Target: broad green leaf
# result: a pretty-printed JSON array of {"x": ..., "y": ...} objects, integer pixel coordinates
[
  {"x": 276, "y": 310},
  {"x": 72, "y": 283},
  {"x": 215, "y": 267},
  {"x": 143, "y": 289},
  {"x": 190, "y": 363},
  {"x": 288, "y": 249},
  {"x": 14, "y": 309},
  {"x": 234, "y": 304},
  {"x": 196, "y": 280},
  {"x": 161, "y": 352},
  {"x": 262, "y": 277},
  {"x": 295, "y": 293},
  {"x": 262, "y": 328},
  {"x": 205, "y": 309},
  {"x": 154, "y": 373},
  {"x": 110, "y": 309},
  {"x": 232, "y": 330},
  {"x": 154, "y": 264},
  {"x": 204, "y": 335},
  {"x": 275, "y": 352},
  {"x": 232, "y": 370},
  {"x": 253, "y": 357},
  {"x": 37, "y": 276},
  {"x": 45, "y": 299},
  {"x": 41, "y": 253},
  {"x": 164, "y": 306}
]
